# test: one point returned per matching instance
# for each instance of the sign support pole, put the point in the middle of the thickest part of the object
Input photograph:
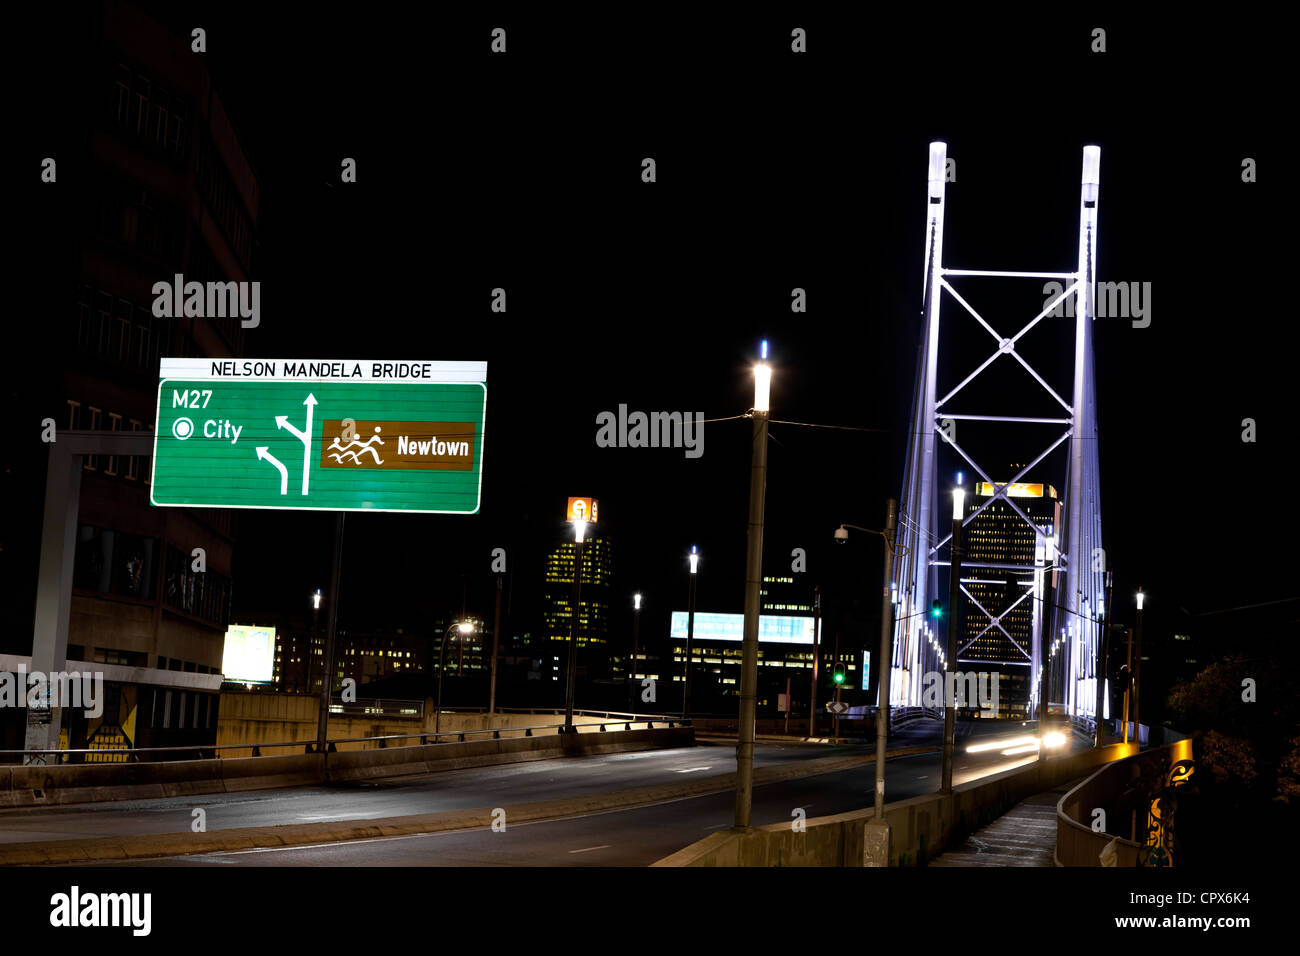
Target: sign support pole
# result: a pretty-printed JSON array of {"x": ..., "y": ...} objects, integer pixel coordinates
[{"x": 327, "y": 683}]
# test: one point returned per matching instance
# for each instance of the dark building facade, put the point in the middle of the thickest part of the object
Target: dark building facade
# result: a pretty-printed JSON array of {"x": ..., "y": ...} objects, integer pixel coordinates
[{"x": 157, "y": 184}]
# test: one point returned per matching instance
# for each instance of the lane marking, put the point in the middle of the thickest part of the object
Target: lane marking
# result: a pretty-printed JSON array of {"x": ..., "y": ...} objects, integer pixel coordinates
[
  {"x": 603, "y": 846},
  {"x": 693, "y": 769}
]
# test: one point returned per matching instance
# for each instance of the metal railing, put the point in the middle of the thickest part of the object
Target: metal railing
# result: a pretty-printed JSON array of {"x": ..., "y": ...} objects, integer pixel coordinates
[{"x": 608, "y": 720}]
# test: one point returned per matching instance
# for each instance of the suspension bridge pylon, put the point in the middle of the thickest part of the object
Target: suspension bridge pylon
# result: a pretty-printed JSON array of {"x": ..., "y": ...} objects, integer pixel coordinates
[{"x": 1067, "y": 546}]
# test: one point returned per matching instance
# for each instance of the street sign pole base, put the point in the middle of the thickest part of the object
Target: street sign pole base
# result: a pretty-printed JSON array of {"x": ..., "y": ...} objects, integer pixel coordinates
[{"x": 877, "y": 838}]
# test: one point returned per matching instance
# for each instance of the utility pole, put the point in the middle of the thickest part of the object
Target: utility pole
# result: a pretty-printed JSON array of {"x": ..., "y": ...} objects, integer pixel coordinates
[
  {"x": 327, "y": 683},
  {"x": 886, "y": 659},
  {"x": 496, "y": 631},
  {"x": 753, "y": 585},
  {"x": 949, "y": 678},
  {"x": 812, "y": 700}
]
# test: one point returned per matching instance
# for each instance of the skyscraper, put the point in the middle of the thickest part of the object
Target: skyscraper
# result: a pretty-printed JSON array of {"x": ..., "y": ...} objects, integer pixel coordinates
[
  {"x": 557, "y": 598},
  {"x": 999, "y": 611}
]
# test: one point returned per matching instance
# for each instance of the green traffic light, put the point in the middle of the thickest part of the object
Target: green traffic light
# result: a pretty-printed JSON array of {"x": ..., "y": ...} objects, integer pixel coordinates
[{"x": 936, "y": 609}]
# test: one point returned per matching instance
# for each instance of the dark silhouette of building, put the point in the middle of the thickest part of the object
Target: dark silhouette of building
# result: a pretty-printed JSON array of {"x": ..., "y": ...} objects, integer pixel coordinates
[{"x": 154, "y": 182}]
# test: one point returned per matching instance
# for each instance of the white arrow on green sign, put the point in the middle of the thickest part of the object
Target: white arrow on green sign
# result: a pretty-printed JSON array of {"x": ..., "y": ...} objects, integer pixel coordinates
[{"x": 323, "y": 435}]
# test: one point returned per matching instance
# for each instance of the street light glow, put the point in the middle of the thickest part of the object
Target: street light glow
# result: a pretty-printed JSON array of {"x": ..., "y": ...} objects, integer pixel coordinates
[
  {"x": 762, "y": 386},
  {"x": 695, "y": 559},
  {"x": 466, "y": 628},
  {"x": 1139, "y": 598},
  {"x": 315, "y": 599},
  {"x": 579, "y": 529},
  {"x": 958, "y": 499},
  {"x": 636, "y": 601}
]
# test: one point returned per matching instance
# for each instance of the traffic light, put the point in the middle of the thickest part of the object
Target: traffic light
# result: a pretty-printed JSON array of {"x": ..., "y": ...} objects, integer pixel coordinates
[
  {"x": 936, "y": 609},
  {"x": 837, "y": 674}
]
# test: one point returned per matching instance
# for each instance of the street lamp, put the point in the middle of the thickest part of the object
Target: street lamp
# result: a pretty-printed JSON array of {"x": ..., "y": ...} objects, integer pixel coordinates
[
  {"x": 753, "y": 585},
  {"x": 1137, "y": 673},
  {"x": 889, "y": 598},
  {"x": 579, "y": 533},
  {"x": 464, "y": 628},
  {"x": 950, "y": 660},
  {"x": 636, "y": 633},
  {"x": 315, "y": 624},
  {"x": 694, "y": 558}
]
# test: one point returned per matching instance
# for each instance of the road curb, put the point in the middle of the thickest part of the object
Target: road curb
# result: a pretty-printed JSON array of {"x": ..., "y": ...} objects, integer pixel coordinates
[{"x": 145, "y": 846}]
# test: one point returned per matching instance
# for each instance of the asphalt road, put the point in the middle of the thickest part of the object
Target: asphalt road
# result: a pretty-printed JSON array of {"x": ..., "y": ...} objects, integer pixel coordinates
[
  {"x": 637, "y": 836},
  {"x": 407, "y": 796}
]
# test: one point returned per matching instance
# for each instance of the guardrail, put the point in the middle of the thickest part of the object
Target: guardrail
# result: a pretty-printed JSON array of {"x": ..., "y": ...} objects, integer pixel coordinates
[
  {"x": 208, "y": 751},
  {"x": 1114, "y": 789}
]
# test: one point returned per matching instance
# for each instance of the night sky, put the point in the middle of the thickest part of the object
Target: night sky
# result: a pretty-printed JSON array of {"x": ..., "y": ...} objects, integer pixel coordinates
[{"x": 775, "y": 171}]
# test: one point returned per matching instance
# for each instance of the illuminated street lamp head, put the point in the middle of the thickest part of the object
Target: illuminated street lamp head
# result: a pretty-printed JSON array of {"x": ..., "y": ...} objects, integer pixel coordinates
[
  {"x": 695, "y": 559},
  {"x": 636, "y": 601},
  {"x": 315, "y": 599},
  {"x": 579, "y": 530},
  {"x": 762, "y": 382},
  {"x": 958, "y": 500},
  {"x": 466, "y": 628},
  {"x": 1140, "y": 596}
]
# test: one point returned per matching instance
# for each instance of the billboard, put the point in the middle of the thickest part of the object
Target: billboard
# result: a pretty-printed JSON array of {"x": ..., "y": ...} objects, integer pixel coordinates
[
  {"x": 249, "y": 655},
  {"x": 1018, "y": 489},
  {"x": 338, "y": 435},
  {"x": 772, "y": 628},
  {"x": 582, "y": 509}
]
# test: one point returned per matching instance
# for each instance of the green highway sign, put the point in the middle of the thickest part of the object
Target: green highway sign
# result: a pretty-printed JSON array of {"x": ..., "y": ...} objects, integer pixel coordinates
[{"x": 322, "y": 435}]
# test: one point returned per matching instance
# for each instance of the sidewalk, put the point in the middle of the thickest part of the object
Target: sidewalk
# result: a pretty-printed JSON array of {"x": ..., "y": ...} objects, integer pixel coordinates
[{"x": 1024, "y": 836}]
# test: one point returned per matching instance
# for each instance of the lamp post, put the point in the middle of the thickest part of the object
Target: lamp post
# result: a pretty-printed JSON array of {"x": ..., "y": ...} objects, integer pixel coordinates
[
  {"x": 496, "y": 635},
  {"x": 636, "y": 633},
  {"x": 753, "y": 585},
  {"x": 812, "y": 695},
  {"x": 464, "y": 628},
  {"x": 315, "y": 628},
  {"x": 580, "y": 531},
  {"x": 1103, "y": 662},
  {"x": 1128, "y": 679},
  {"x": 1137, "y": 675},
  {"x": 1045, "y": 651},
  {"x": 694, "y": 558},
  {"x": 884, "y": 665},
  {"x": 327, "y": 683},
  {"x": 949, "y": 680}
]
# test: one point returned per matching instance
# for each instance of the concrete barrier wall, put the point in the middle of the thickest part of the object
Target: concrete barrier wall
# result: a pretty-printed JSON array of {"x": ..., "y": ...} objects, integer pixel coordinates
[
  {"x": 922, "y": 827},
  {"x": 1077, "y": 844},
  {"x": 22, "y": 786},
  {"x": 259, "y": 719}
]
